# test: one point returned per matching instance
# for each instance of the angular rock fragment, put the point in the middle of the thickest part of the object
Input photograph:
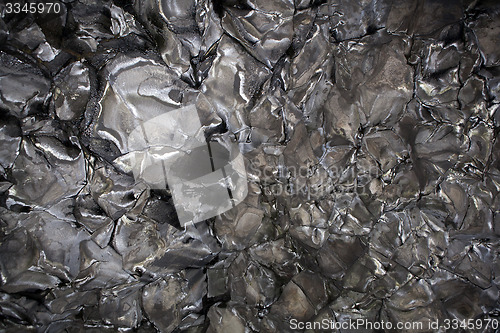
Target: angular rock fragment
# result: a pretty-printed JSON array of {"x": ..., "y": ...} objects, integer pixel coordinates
[
  {"x": 24, "y": 88},
  {"x": 167, "y": 301},
  {"x": 72, "y": 91}
]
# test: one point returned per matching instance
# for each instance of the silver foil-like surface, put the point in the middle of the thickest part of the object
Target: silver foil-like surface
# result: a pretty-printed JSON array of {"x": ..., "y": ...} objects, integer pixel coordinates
[{"x": 369, "y": 132}]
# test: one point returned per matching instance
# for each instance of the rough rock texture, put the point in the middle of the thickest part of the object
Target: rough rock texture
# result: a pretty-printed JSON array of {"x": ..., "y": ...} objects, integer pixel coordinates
[{"x": 369, "y": 130}]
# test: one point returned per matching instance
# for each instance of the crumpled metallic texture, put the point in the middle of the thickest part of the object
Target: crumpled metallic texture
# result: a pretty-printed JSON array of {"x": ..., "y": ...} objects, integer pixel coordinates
[{"x": 370, "y": 134}]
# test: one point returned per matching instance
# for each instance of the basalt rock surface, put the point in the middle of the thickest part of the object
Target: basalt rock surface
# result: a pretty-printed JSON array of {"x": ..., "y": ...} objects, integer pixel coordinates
[{"x": 369, "y": 132}]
